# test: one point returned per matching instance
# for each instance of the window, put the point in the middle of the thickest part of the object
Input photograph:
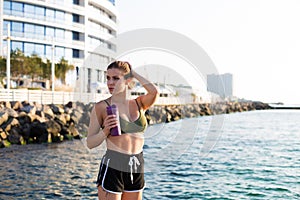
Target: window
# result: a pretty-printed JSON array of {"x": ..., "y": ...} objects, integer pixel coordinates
[
  {"x": 95, "y": 41},
  {"x": 89, "y": 79},
  {"x": 48, "y": 52},
  {"x": 16, "y": 45},
  {"x": 5, "y": 27},
  {"x": 39, "y": 30},
  {"x": 59, "y": 52},
  {"x": 29, "y": 9},
  {"x": 29, "y": 30},
  {"x": 60, "y": 33},
  {"x": 5, "y": 45},
  {"x": 100, "y": 76},
  {"x": 49, "y": 32},
  {"x": 17, "y": 29},
  {"x": 28, "y": 48},
  {"x": 75, "y": 35},
  {"x": 60, "y": 16},
  {"x": 40, "y": 49},
  {"x": 40, "y": 11},
  {"x": 50, "y": 14},
  {"x": 17, "y": 6},
  {"x": 7, "y": 5},
  {"x": 76, "y": 2},
  {"x": 76, "y": 18},
  {"x": 76, "y": 53}
]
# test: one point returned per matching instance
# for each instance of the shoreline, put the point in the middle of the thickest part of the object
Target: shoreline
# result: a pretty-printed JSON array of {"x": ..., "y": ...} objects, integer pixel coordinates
[{"x": 24, "y": 123}]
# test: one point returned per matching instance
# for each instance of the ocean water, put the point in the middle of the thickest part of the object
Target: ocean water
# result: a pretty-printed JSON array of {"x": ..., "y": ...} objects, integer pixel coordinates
[{"x": 249, "y": 155}]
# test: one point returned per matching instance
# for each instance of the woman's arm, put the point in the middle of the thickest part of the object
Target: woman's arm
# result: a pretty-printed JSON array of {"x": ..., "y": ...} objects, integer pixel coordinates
[
  {"x": 95, "y": 135},
  {"x": 148, "y": 99}
]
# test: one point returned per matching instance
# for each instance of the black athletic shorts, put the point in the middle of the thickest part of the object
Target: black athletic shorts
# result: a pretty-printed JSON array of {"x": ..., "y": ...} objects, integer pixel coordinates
[{"x": 121, "y": 172}]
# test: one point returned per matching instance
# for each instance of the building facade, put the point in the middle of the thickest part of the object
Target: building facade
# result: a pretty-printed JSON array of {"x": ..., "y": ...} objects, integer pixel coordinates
[
  {"x": 79, "y": 30},
  {"x": 221, "y": 84}
]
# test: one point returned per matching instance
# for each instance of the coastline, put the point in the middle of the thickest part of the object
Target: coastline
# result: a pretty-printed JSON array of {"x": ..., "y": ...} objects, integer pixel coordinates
[{"x": 26, "y": 123}]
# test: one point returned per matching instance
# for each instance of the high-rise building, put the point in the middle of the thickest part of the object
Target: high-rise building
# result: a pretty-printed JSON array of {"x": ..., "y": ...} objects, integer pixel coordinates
[
  {"x": 79, "y": 30},
  {"x": 220, "y": 84}
]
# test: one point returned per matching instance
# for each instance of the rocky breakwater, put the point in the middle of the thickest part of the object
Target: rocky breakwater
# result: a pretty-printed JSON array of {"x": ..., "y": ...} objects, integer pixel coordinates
[
  {"x": 24, "y": 122},
  {"x": 169, "y": 113}
]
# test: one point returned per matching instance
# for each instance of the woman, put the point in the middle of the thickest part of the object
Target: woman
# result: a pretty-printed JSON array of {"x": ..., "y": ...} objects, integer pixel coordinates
[{"x": 121, "y": 173}]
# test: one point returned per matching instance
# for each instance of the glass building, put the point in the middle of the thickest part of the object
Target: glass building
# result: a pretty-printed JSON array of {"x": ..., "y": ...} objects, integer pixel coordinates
[{"x": 79, "y": 30}]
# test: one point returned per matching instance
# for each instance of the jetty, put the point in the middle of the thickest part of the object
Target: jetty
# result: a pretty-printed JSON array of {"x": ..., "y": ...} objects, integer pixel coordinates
[
  {"x": 285, "y": 106},
  {"x": 26, "y": 122}
]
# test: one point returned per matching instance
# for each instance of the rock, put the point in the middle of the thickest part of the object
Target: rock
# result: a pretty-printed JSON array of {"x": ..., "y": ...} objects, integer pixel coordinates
[
  {"x": 11, "y": 112},
  {"x": 74, "y": 132},
  {"x": 70, "y": 104},
  {"x": 48, "y": 112},
  {"x": 9, "y": 123},
  {"x": 67, "y": 117},
  {"x": 53, "y": 127},
  {"x": 61, "y": 119},
  {"x": 7, "y": 104},
  {"x": 56, "y": 109},
  {"x": 85, "y": 118},
  {"x": 3, "y": 135},
  {"x": 80, "y": 107},
  {"x": 15, "y": 137},
  {"x": 38, "y": 132},
  {"x": 27, "y": 108},
  {"x": 23, "y": 118},
  {"x": 16, "y": 105},
  {"x": 3, "y": 117},
  {"x": 25, "y": 103},
  {"x": 40, "y": 113},
  {"x": 76, "y": 116}
]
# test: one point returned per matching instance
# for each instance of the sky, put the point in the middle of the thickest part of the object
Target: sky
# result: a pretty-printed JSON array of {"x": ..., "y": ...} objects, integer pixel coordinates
[{"x": 257, "y": 41}]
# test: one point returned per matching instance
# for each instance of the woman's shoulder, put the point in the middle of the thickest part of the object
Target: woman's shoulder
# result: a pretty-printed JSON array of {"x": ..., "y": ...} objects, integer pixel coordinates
[{"x": 101, "y": 104}]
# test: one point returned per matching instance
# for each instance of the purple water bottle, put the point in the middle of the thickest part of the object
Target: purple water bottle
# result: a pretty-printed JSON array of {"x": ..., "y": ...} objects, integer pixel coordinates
[{"x": 113, "y": 110}]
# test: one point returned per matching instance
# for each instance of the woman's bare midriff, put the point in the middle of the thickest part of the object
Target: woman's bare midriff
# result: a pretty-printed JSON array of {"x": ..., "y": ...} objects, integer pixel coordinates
[{"x": 130, "y": 143}]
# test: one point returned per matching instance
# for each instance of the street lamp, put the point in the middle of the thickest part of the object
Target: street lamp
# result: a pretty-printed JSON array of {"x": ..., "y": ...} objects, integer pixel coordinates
[
  {"x": 52, "y": 63},
  {"x": 8, "y": 58}
]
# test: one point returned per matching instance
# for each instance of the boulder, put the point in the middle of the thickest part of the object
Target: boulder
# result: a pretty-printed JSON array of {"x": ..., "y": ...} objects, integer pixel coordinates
[
  {"x": 15, "y": 137},
  {"x": 3, "y": 134},
  {"x": 16, "y": 105},
  {"x": 9, "y": 124},
  {"x": 53, "y": 127},
  {"x": 48, "y": 112},
  {"x": 38, "y": 132},
  {"x": 3, "y": 117}
]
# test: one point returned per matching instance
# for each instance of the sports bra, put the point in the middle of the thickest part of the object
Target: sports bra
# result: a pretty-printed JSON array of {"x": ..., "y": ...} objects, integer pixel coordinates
[{"x": 139, "y": 125}]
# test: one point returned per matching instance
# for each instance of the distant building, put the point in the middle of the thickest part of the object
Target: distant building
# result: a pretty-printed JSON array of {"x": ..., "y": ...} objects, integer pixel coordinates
[
  {"x": 220, "y": 84},
  {"x": 74, "y": 27}
]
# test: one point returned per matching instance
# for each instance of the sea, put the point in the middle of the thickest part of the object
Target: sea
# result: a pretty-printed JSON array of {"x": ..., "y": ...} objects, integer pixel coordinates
[{"x": 247, "y": 155}]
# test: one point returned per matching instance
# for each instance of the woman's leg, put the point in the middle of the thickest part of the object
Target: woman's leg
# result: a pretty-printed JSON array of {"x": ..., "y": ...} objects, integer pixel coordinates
[
  {"x": 132, "y": 195},
  {"x": 103, "y": 195}
]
